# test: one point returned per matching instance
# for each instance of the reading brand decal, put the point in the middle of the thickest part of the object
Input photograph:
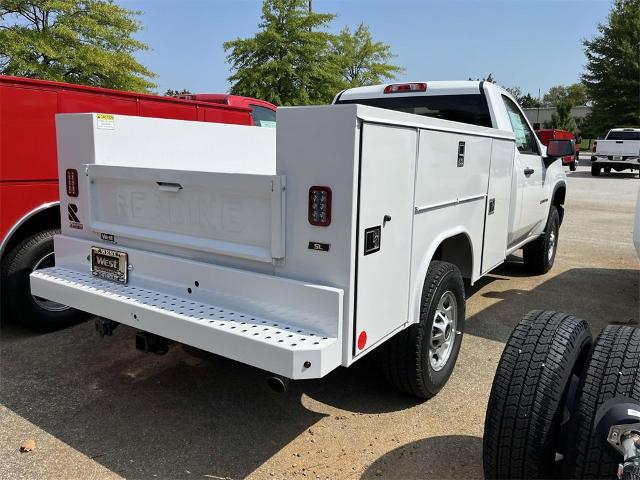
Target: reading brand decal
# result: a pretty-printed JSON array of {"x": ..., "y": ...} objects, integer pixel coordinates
[{"x": 74, "y": 221}]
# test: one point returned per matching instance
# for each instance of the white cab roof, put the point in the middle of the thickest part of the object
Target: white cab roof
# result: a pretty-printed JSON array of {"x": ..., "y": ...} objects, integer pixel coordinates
[{"x": 456, "y": 87}]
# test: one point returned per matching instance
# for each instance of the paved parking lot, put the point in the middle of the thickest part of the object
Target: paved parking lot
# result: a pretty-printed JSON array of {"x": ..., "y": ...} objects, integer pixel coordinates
[{"x": 97, "y": 408}]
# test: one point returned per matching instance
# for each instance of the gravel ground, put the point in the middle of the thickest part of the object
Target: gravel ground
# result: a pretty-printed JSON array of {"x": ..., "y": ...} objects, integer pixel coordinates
[{"x": 99, "y": 409}]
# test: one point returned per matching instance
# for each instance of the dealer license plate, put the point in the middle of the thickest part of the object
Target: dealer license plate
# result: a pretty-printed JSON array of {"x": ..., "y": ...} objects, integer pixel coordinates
[{"x": 109, "y": 264}]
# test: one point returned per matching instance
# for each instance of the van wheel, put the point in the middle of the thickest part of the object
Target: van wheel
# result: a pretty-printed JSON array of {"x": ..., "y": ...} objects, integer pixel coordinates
[
  {"x": 541, "y": 360},
  {"x": 613, "y": 371},
  {"x": 37, "y": 313},
  {"x": 540, "y": 254},
  {"x": 420, "y": 359},
  {"x": 595, "y": 171},
  {"x": 572, "y": 166}
]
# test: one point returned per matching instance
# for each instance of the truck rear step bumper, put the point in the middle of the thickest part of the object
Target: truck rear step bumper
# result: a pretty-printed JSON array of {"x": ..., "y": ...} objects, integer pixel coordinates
[{"x": 267, "y": 343}]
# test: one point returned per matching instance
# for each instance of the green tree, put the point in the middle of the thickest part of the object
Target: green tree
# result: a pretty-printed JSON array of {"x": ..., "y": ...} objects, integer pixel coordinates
[
  {"x": 361, "y": 60},
  {"x": 525, "y": 101},
  {"x": 612, "y": 76},
  {"x": 289, "y": 60},
  {"x": 78, "y": 41},
  {"x": 488, "y": 78},
  {"x": 562, "y": 118},
  {"x": 529, "y": 101},
  {"x": 576, "y": 94}
]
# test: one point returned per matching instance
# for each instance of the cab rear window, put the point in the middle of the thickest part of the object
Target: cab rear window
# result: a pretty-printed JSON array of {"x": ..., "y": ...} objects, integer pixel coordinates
[
  {"x": 622, "y": 135},
  {"x": 471, "y": 109}
]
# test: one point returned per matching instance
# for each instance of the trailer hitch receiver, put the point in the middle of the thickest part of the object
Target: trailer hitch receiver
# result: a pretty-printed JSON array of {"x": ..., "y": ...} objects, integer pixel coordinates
[
  {"x": 104, "y": 326},
  {"x": 151, "y": 343}
]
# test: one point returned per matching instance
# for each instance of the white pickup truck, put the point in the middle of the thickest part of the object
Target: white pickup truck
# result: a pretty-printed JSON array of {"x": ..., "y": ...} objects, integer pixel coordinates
[
  {"x": 347, "y": 229},
  {"x": 620, "y": 150}
]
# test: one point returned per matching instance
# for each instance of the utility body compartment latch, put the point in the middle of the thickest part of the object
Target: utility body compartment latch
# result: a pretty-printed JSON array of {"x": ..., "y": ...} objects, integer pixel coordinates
[{"x": 371, "y": 240}]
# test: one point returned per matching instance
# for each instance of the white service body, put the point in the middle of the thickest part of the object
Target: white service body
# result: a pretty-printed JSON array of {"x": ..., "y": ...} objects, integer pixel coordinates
[{"x": 221, "y": 254}]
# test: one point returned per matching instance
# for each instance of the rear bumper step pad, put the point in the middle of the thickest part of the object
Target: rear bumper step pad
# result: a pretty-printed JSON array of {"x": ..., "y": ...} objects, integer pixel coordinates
[{"x": 266, "y": 343}]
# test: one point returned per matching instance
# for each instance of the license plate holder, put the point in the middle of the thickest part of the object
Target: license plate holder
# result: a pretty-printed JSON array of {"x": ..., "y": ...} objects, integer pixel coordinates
[
  {"x": 617, "y": 158},
  {"x": 109, "y": 264}
]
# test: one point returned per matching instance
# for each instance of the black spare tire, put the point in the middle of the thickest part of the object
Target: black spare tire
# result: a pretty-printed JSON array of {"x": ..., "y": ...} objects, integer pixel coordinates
[{"x": 541, "y": 359}]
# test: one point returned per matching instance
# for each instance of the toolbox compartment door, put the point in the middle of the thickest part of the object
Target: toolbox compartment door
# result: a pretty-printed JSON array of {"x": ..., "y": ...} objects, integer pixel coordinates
[
  {"x": 385, "y": 222},
  {"x": 239, "y": 215},
  {"x": 496, "y": 228}
]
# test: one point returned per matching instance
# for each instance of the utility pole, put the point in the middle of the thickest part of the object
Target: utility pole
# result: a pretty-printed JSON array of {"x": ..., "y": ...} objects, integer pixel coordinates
[
  {"x": 310, "y": 5},
  {"x": 538, "y": 115}
]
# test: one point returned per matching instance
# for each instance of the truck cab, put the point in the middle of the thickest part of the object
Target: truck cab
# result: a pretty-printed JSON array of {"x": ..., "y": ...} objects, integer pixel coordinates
[{"x": 263, "y": 114}]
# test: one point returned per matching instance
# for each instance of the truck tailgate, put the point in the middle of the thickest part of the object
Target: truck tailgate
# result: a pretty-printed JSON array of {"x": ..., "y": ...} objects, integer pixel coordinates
[
  {"x": 618, "y": 147},
  {"x": 235, "y": 214}
]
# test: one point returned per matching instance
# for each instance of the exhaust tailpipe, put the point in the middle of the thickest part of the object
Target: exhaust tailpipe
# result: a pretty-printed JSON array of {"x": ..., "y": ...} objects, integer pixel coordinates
[{"x": 278, "y": 383}]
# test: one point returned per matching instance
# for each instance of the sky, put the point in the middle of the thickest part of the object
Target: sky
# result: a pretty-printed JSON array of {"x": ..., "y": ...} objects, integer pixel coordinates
[{"x": 532, "y": 44}]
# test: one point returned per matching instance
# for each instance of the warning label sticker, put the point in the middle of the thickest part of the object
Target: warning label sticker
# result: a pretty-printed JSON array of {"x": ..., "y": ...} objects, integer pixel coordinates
[{"x": 105, "y": 121}]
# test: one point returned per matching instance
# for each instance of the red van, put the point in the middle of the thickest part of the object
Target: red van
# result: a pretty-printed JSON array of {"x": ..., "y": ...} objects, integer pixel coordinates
[
  {"x": 29, "y": 213},
  {"x": 554, "y": 134}
]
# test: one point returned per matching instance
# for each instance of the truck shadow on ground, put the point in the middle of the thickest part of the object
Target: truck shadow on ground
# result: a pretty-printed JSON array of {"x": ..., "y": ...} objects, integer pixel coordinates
[
  {"x": 431, "y": 458},
  {"x": 600, "y": 296},
  {"x": 179, "y": 416}
]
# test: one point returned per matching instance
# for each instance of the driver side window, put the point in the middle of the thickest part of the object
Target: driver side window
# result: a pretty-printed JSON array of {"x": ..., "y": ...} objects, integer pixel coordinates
[{"x": 525, "y": 138}]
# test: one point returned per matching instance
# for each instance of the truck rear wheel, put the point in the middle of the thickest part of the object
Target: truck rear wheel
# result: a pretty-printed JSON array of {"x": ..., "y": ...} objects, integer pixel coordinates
[
  {"x": 540, "y": 254},
  {"x": 420, "y": 359},
  {"x": 613, "y": 371},
  {"x": 542, "y": 358},
  {"x": 595, "y": 170},
  {"x": 572, "y": 166},
  {"x": 37, "y": 313}
]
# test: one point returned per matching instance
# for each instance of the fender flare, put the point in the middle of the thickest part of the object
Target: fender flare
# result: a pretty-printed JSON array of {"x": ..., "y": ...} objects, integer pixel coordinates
[
  {"x": 559, "y": 184},
  {"x": 425, "y": 261},
  {"x": 16, "y": 226}
]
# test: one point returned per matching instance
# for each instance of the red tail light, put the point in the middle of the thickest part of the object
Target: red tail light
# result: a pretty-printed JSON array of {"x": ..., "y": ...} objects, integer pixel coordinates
[
  {"x": 593, "y": 149},
  {"x": 320, "y": 206},
  {"x": 72, "y": 182},
  {"x": 405, "y": 88}
]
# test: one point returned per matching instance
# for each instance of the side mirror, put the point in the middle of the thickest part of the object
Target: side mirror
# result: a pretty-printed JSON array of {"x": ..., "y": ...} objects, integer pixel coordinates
[{"x": 559, "y": 148}]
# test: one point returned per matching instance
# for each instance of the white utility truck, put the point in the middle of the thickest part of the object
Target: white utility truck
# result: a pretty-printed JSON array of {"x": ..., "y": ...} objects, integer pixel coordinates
[
  {"x": 620, "y": 150},
  {"x": 349, "y": 228}
]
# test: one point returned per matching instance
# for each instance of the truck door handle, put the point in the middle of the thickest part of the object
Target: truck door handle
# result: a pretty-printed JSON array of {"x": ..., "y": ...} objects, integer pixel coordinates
[
  {"x": 169, "y": 187},
  {"x": 528, "y": 171}
]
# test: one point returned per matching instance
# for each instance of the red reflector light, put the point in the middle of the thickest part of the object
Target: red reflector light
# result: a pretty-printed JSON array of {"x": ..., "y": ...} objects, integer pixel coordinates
[
  {"x": 72, "y": 182},
  {"x": 320, "y": 206},
  {"x": 405, "y": 88}
]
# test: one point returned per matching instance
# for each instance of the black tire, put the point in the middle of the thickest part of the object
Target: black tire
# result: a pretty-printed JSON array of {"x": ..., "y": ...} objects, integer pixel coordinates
[
  {"x": 613, "y": 370},
  {"x": 595, "y": 171},
  {"x": 540, "y": 254},
  {"x": 572, "y": 166},
  {"x": 18, "y": 303},
  {"x": 544, "y": 354},
  {"x": 631, "y": 472},
  {"x": 406, "y": 357}
]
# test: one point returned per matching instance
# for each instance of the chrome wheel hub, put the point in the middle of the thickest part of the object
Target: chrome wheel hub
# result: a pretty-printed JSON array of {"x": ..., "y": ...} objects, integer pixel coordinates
[
  {"x": 552, "y": 245},
  {"x": 443, "y": 331},
  {"x": 48, "y": 260}
]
